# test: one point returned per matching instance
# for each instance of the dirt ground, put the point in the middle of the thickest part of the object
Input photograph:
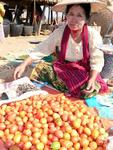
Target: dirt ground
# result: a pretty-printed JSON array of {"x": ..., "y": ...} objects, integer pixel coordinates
[{"x": 13, "y": 47}]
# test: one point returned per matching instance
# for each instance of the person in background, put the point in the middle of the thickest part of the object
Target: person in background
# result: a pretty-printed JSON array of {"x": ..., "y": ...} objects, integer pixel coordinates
[
  {"x": 54, "y": 25},
  {"x": 78, "y": 63},
  {"x": 2, "y": 12},
  {"x": 35, "y": 15},
  {"x": 8, "y": 14}
]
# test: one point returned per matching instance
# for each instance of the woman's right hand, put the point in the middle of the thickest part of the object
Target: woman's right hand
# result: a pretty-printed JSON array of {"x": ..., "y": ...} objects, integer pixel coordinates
[
  {"x": 21, "y": 68},
  {"x": 19, "y": 71}
]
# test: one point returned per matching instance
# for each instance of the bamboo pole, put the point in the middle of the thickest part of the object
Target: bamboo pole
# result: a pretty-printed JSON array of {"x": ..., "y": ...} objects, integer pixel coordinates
[
  {"x": 40, "y": 22},
  {"x": 48, "y": 14}
]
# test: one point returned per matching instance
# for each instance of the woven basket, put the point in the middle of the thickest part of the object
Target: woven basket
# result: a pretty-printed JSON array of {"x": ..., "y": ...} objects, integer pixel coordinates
[
  {"x": 107, "y": 71},
  {"x": 103, "y": 19}
]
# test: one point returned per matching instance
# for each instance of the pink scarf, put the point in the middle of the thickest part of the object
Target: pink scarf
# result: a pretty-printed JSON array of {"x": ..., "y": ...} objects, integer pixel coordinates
[{"x": 75, "y": 74}]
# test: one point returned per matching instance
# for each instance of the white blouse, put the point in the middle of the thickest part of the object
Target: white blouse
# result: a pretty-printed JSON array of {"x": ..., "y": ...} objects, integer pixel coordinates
[{"x": 74, "y": 50}]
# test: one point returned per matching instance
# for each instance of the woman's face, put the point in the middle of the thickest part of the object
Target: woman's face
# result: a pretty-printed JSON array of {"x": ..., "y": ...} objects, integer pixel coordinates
[{"x": 76, "y": 17}]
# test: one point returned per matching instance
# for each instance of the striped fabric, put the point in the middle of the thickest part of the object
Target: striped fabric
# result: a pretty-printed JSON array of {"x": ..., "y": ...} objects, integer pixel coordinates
[{"x": 75, "y": 74}]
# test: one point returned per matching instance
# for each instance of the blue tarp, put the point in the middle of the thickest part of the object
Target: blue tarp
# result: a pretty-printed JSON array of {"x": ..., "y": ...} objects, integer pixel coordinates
[{"x": 104, "y": 111}]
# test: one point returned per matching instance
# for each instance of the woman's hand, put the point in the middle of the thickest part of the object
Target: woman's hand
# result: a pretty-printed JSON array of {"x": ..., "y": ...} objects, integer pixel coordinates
[
  {"x": 19, "y": 71},
  {"x": 21, "y": 68},
  {"x": 91, "y": 82},
  {"x": 90, "y": 87}
]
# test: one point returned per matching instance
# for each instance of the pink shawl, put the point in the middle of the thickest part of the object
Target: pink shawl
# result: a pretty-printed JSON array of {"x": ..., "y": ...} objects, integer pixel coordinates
[{"x": 75, "y": 74}]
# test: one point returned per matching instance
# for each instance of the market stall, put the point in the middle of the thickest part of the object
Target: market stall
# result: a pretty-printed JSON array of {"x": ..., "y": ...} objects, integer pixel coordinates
[{"x": 47, "y": 119}]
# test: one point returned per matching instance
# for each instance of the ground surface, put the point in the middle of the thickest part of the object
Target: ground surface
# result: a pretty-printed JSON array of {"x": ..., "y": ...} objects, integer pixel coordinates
[{"x": 13, "y": 47}]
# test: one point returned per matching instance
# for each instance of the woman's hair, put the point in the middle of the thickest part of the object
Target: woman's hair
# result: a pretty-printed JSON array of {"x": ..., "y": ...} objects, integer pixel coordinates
[{"x": 85, "y": 6}]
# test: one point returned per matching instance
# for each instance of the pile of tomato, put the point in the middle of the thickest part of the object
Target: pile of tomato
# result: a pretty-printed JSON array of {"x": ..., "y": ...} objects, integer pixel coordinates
[{"x": 51, "y": 122}]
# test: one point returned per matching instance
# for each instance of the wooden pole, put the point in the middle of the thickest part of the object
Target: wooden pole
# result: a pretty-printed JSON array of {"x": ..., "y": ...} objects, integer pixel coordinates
[
  {"x": 57, "y": 16},
  {"x": 51, "y": 16},
  {"x": 62, "y": 16},
  {"x": 48, "y": 14},
  {"x": 40, "y": 22}
]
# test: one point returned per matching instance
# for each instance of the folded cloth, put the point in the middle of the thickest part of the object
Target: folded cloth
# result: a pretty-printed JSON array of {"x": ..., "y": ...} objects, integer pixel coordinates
[{"x": 103, "y": 111}]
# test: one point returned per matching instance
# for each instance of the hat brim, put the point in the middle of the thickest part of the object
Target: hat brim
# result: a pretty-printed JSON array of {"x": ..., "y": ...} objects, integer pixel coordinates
[
  {"x": 96, "y": 5},
  {"x": 110, "y": 8}
]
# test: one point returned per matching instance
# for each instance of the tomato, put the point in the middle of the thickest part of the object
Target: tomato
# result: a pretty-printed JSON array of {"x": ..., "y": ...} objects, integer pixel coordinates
[
  {"x": 65, "y": 117},
  {"x": 58, "y": 133},
  {"x": 95, "y": 133},
  {"x": 77, "y": 123},
  {"x": 66, "y": 136},
  {"x": 2, "y": 126},
  {"x": 13, "y": 128},
  {"x": 43, "y": 138},
  {"x": 40, "y": 146},
  {"x": 93, "y": 145},
  {"x": 1, "y": 133},
  {"x": 67, "y": 144},
  {"x": 17, "y": 138},
  {"x": 55, "y": 145},
  {"x": 27, "y": 145}
]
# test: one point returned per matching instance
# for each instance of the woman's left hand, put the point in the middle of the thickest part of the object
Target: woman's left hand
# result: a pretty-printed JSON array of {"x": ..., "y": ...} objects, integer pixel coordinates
[
  {"x": 90, "y": 87},
  {"x": 91, "y": 82}
]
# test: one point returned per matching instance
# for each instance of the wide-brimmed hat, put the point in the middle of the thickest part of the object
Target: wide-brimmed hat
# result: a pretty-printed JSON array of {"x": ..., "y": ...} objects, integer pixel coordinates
[
  {"x": 96, "y": 5},
  {"x": 110, "y": 7}
]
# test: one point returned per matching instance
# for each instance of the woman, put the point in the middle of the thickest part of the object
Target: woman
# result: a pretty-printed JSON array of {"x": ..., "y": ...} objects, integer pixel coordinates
[{"x": 78, "y": 62}]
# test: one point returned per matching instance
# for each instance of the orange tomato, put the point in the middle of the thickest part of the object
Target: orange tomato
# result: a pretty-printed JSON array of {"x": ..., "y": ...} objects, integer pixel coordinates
[
  {"x": 95, "y": 133},
  {"x": 93, "y": 145}
]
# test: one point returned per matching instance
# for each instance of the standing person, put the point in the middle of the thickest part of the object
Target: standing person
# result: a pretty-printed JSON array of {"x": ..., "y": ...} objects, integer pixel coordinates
[
  {"x": 79, "y": 61},
  {"x": 8, "y": 14},
  {"x": 2, "y": 12},
  {"x": 35, "y": 15}
]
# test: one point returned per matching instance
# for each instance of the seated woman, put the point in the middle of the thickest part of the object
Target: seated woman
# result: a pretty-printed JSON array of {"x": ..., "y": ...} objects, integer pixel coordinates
[{"x": 79, "y": 61}]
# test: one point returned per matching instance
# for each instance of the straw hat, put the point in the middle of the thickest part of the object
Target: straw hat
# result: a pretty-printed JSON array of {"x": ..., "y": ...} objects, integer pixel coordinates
[
  {"x": 110, "y": 8},
  {"x": 110, "y": 5},
  {"x": 96, "y": 5}
]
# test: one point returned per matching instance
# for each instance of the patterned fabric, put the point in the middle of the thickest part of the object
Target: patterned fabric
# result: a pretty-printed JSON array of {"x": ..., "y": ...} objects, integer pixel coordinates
[
  {"x": 44, "y": 72},
  {"x": 107, "y": 71}
]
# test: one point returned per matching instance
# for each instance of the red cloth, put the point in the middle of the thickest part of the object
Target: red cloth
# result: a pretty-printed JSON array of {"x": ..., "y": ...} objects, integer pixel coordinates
[{"x": 75, "y": 74}]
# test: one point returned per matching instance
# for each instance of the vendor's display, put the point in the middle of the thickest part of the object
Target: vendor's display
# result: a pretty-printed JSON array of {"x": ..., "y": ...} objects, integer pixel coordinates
[
  {"x": 51, "y": 122},
  {"x": 18, "y": 90}
]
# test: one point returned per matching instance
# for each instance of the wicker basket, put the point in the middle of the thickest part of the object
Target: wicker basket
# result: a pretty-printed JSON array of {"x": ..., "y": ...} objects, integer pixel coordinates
[
  {"x": 103, "y": 19},
  {"x": 107, "y": 71}
]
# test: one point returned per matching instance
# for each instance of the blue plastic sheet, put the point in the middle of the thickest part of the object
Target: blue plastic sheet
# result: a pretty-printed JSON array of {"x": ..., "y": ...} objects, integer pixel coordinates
[{"x": 104, "y": 111}]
